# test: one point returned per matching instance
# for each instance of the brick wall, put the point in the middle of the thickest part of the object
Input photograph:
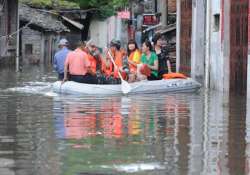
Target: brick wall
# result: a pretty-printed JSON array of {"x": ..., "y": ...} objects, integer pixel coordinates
[
  {"x": 33, "y": 38},
  {"x": 171, "y": 6}
]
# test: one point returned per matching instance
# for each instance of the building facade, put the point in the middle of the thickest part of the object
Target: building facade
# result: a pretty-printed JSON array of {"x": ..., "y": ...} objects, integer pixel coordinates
[
  {"x": 8, "y": 28},
  {"x": 40, "y": 34},
  {"x": 212, "y": 43}
]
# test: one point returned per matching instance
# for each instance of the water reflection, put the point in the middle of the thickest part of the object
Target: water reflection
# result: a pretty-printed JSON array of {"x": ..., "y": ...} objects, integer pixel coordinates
[
  {"x": 236, "y": 135},
  {"x": 129, "y": 134}
]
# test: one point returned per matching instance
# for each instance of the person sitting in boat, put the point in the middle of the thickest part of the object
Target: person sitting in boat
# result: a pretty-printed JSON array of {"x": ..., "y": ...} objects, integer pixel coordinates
[
  {"x": 134, "y": 58},
  {"x": 111, "y": 70},
  {"x": 96, "y": 60},
  {"x": 161, "y": 52},
  {"x": 95, "y": 52},
  {"x": 149, "y": 60},
  {"x": 79, "y": 67},
  {"x": 60, "y": 57},
  {"x": 92, "y": 60}
]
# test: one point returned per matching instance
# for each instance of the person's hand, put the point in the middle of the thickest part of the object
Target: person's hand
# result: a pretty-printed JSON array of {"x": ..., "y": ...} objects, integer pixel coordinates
[
  {"x": 64, "y": 80},
  {"x": 91, "y": 72}
]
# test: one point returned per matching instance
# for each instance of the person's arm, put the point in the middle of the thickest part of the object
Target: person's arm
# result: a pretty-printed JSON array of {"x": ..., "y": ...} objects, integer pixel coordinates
[
  {"x": 55, "y": 63},
  {"x": 169, "y": 66},
  {"x": 90, "y": 71},
  {"x": 66, "y": 66},
  {"x": 132, "y": 63},
  {"x": 155, "y": 66},
  {"x": 156, "y": 63}
]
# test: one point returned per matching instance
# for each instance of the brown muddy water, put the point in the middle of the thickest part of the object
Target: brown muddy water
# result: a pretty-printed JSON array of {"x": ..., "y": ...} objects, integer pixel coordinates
[{"x": 43, "y": 133}]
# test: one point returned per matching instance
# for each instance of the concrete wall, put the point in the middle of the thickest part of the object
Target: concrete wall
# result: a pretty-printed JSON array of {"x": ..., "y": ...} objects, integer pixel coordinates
[
  {"x": 216, "y": 61},
  {"x": 198, "y": 40},
  {"x": 178, "y": 35},
  {"x": 210, "y": 47},
  {"x": 219, "y": 46},
  {"x": 162, "y": 8},
  {"x": 34, "y": 38},
  {"x": 226, "y": 47},
  {"x": 44, "y": 46},
  {"x": 98, "y": 33},
  {"x": 102, "y": 32}
]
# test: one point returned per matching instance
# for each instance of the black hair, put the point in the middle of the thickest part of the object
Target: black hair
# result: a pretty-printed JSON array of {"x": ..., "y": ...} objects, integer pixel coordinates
[
  {"x": 81, "y": 44},
  {"x": 156, "y": 37},
  {"x": 116, "y": 44},
  {"x": 131, "y": 42},
  {"x": 148, "y": 44}
]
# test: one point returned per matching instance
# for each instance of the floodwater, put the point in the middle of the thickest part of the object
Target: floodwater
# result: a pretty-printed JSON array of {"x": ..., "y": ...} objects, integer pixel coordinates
[{"x": 43, "y": 133}]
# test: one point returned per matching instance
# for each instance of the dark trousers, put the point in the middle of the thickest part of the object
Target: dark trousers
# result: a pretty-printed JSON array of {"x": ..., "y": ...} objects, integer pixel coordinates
[
  {"x": 88, "y": 78},
  {"x": 60, "y": 76},
  {"x": 152, "y": 77},
  {"x": 161, "y": 72}
]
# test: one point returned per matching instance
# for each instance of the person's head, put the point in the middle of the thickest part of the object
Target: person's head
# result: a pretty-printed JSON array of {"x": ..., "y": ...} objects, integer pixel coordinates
[
  {"x": 157, "y": 39},
  {"x": 146, "y": 46},
  {"x": 91, "y": 47},
  {"x": 81, "y": 45},
  {"x": 115, "y": 44},
  {"x": 63, "y": 43},
  {"x": 132, "y": 46}
]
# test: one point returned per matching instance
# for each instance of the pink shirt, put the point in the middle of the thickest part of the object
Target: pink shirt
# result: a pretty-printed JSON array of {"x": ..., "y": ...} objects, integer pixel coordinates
[{"x": 77, "y": 62}]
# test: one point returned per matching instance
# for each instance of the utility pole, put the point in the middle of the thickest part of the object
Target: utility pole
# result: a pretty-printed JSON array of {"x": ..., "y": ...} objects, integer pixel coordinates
[
  {"x": 17, "y": 39},
  {"x": 156, "y": 6},
  {"x": 166, "y": 12}
]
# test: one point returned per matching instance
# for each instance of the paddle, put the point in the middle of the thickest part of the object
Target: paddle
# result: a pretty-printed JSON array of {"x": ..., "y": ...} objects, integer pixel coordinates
[{"x": 126, "y": 88}]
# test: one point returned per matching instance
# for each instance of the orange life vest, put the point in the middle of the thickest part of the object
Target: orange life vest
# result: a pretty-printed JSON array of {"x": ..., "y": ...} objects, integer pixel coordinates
[
  {"x": 92, "y": 61},
  {"x": 174, "y": 75}
]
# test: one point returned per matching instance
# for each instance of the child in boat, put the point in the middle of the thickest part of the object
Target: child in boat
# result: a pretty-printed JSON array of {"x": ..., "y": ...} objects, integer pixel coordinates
[{"x": 134, "y": 58}]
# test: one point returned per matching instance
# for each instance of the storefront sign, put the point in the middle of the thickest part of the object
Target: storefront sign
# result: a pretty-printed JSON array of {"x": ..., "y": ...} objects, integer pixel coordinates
[
  {"x": 151, "y": 19},
  {"x": 124, "y": 15}
]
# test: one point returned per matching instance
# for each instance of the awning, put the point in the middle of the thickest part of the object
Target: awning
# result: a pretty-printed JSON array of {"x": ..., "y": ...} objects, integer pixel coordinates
[
  {"x": 74, "y": 23},
  {"x": 167, "y": 29}
]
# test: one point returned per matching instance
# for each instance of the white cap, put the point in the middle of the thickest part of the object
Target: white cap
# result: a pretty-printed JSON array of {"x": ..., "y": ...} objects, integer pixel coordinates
[{"x": 63, "y": 42}]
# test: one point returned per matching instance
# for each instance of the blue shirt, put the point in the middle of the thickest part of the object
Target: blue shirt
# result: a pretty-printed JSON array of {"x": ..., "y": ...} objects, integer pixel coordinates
[{"x": 59, "y": 59}]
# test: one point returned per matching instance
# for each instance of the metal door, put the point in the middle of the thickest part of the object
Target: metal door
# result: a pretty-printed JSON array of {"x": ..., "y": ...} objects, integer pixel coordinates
[
  {"x": 238, "y": 46},
  {"x": 185, "y": 35}
]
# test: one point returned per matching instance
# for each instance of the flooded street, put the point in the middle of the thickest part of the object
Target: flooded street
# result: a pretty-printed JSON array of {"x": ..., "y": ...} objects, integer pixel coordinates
[{"x": 42, "y": 133}]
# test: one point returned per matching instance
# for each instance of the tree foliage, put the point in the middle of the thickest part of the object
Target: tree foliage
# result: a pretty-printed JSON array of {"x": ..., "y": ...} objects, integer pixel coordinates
[
  {"x": 50, "y": 4},
  {"x": 104, "y": 8}
]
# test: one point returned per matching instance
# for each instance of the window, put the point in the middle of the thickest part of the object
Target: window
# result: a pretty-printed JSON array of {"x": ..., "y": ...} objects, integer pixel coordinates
[
  {"x": 216, "y": 22},
  {"x": 28, "y": 49}
]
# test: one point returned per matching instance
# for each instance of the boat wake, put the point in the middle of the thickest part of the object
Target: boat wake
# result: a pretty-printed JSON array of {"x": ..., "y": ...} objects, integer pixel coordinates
[{"x": 42, "y": 88}]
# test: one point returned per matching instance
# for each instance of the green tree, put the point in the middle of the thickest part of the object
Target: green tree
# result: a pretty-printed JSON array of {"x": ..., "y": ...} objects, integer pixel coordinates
[
  {"x": 51, "y": 4},
  {"x": 105, "y": 8}
]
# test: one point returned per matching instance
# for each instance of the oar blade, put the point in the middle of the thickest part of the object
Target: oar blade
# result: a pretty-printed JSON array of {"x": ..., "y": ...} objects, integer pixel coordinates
[{"x": 126, "y": 88}]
